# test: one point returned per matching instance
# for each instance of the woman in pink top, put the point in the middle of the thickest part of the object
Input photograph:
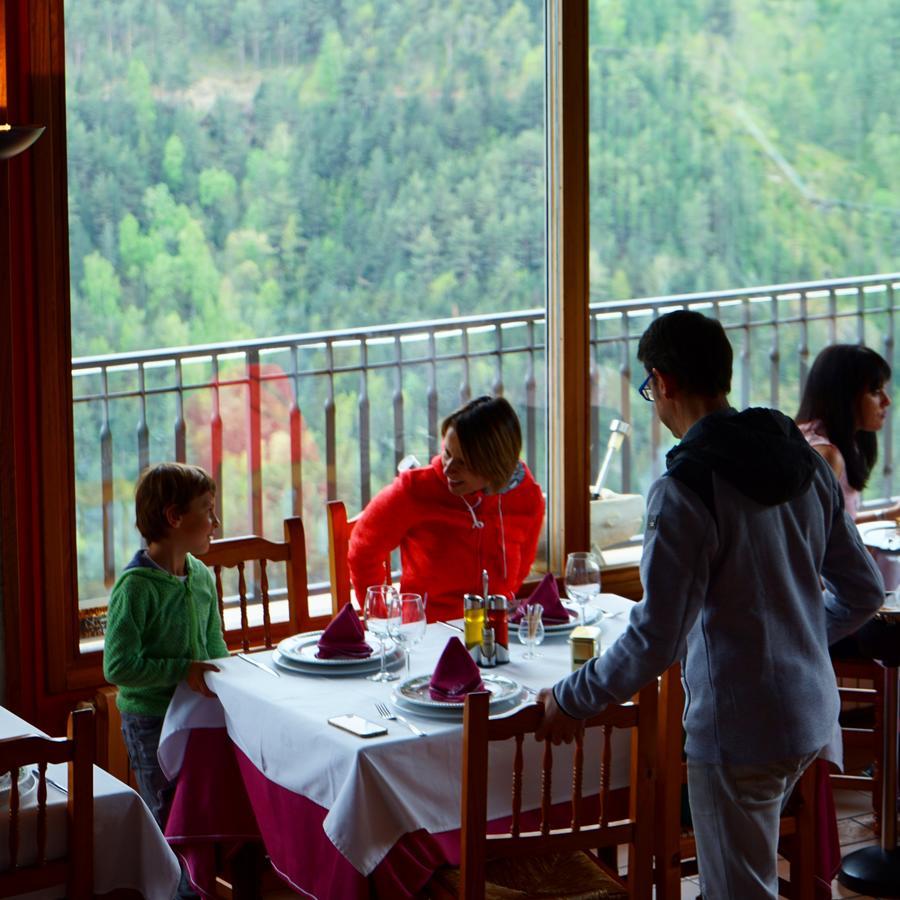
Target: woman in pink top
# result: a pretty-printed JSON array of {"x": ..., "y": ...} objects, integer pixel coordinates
[{"x": 843, "y": 408}]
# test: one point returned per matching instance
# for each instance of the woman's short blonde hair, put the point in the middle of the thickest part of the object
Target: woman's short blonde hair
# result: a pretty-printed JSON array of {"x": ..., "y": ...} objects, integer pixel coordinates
[
  {"x": 163, "y": 486},
  {"x": 490, "y": 438}
]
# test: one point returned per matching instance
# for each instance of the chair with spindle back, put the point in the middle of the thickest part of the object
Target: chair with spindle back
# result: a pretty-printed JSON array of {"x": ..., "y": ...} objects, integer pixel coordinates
[
  {"x": 76, "y": 869},
  {"x": 676, "y": 850},
  {"x": 577, "y": 860},
  {"x": 235, "y": 553},
  {"x": 340, "y": 527}
]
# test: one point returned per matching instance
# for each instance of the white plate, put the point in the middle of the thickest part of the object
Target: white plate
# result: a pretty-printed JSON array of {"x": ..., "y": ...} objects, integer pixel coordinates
[
  {"x": 27, "y": 786},
  {"x": 302, "y": 648},
  {"x": 364, "y": 667},
  {"x": 452, "y": 712},
  {"x": 415, "y": 691},
  {"x": 880, "y": 535}
]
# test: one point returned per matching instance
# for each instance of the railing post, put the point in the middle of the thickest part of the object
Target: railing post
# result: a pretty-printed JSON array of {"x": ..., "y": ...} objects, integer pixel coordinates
[
  {"x": 432, "y": 398},
  {"x": 106, "y": 477},
  {"x": 531, "y": 405},
  {"x": 180, "y": 427},
  {"x": 143, "y": 431},
  {"x": 625, "y": 388},
  {"x": 497, "y": 386},
  {"x": 888, "y": 432},
  {"x": 365, "y": 437},
  {"x": 399, "y": 431},
  {"x": 330, "y": 438},
  {"x": 254, "y": 448},
  {"x": 296, "y": 425},
  {"x": 803, "y": 348},
  {"x": 774, "y": 355},
  {"x": 215, "y": 442},
  {"x": 594, "y": 393}
]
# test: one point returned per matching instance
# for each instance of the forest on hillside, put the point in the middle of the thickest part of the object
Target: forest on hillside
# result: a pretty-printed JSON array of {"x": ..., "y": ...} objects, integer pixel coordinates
[
  {"x": 261, "y": 167},
  {"x": 255, "y": 168}
]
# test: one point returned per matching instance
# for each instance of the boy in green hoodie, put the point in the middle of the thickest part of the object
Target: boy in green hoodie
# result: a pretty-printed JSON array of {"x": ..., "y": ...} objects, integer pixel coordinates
[{"x": 163, "y": 622}]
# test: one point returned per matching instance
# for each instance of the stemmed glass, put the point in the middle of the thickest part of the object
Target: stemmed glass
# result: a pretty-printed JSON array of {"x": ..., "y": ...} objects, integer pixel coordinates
[
  {"x": 382, "y": 610},
  {"x": 531, "y": 630},
  {"x": 582, "y": 579},
  {"x": 409, "y": 627}
]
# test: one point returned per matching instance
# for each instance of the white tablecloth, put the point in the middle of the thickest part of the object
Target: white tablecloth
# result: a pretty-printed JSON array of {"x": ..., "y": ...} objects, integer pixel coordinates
[
  {"x": 129, "y": 849},
  {"x": 378, "y": 789}
]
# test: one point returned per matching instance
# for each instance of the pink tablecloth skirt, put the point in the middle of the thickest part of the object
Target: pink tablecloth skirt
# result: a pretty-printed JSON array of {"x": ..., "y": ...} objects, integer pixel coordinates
[{"x": 222, "y": 798}]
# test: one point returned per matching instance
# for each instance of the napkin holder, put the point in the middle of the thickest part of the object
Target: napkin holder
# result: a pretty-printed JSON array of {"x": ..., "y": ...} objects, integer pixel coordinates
[{"x": 615, "y": 518}]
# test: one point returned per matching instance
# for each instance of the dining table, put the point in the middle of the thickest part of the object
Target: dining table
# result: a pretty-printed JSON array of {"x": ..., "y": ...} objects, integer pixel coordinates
[
  {"x": 338, "y": 814},
  {"x": 130, "y": 853}
]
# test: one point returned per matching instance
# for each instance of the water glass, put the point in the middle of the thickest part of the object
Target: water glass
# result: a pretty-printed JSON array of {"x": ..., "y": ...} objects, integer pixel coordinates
[
  {"x": 409, "y": 626},
  {"x": 582, "y": 579},
  {"x": 382, "y": 611},
  {"x": 531, "y": 630}
]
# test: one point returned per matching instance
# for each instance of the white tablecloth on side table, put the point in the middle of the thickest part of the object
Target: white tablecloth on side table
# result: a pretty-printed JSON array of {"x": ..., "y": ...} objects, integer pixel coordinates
[
  {"x": 375, "y": 790},
  {"x": 129, "y": 849}
]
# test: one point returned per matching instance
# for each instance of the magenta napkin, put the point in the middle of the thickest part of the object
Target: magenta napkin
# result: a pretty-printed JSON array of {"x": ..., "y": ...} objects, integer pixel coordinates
[
  {"x": 455, "y": 674},
  {"x": 344, "y": 637},
  {"x": 547, "y": 594}
]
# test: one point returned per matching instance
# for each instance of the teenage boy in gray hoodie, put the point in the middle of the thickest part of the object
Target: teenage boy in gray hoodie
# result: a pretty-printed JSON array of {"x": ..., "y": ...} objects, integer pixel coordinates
[{"x": 741, "y": 533}]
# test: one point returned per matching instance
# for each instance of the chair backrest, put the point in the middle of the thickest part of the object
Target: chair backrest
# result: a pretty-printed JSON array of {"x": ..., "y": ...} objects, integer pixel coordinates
[
  {"x": 236, "y": 553},
  {"x": 675, "y": 848},
  {"x": 76, "y": 868},
  {"x": 610, "y": 826},
  {"x": 340, "y": 527}
]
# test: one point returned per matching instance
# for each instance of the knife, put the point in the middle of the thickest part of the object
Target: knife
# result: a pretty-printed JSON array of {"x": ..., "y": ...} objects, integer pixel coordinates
[{"x": 258, "y": 664}]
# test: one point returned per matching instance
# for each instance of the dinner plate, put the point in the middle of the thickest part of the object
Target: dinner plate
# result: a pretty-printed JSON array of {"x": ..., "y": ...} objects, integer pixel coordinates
[
  {"x": 393, "y": 658},
  {"x": 591, "y": 614},
  {"x": 452, "y": 712},
  {"x": 880, "y": 535},
  {"x": 302, "y": 648},
  {"x": 415, "y": 692}
]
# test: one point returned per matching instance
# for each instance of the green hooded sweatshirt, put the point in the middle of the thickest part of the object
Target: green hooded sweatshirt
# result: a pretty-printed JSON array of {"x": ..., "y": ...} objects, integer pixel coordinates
[{"x": 157, "y": 626}]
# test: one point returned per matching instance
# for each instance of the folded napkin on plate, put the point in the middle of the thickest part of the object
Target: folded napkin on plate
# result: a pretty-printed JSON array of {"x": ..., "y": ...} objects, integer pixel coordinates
[
  {"x": 455, "y": 674},
  {"x": 344, "y": 637},
  {"x": 547, "y": 594}
]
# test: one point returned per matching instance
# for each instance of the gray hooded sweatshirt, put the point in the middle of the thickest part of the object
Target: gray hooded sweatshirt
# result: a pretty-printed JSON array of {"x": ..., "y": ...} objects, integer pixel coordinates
[{"x": 741, "y": 532}]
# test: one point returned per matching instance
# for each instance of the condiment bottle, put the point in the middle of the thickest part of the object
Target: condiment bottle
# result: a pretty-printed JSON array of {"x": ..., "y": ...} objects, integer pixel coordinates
[
  {"x": 497, "y": 618},
  {"x": 473, "y": 615},
  {"x": 488, "y": 657}
]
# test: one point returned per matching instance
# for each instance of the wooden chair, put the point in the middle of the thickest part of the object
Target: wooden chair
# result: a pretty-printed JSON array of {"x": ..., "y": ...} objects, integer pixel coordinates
[
  {"x": 236, "y": 553},
  {"x": 577, "y": 860},
  {"x": 76, "y": 869},
  {"x": 339, "y": 530},
  {"x": 676, "y": 851},
  {"x": 862, "y": 738}
]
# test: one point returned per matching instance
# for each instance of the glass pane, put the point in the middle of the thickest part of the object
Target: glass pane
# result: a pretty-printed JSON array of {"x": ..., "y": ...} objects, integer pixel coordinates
[
  {"x": 281, "y": 190},
  {"x": 737, "y": 144}
]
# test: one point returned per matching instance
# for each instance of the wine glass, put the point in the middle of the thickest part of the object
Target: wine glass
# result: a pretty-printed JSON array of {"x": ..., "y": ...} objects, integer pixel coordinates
[
  {"x": 409, "y": 627},
  {"x": 582, "y": 579},
  {"x": 531, "y": 630},
  {"x": 382, "y": 610}
]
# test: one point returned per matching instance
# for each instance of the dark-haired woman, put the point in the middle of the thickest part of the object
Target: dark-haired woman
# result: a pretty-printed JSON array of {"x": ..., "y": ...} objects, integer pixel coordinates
[
  {"x": 843, "y": 407},
  {"x": 475, "y": 507}
]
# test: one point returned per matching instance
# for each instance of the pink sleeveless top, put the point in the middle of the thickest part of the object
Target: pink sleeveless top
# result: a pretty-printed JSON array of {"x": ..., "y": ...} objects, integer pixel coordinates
[{"x": 814, "y": 432}]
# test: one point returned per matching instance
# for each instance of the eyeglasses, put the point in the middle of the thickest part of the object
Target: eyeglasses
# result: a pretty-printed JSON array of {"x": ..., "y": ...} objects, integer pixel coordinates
[{"x": 644, "y": 389}]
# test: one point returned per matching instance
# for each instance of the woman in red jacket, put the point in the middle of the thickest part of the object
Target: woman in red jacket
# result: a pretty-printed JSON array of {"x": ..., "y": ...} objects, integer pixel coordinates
[{"x": 475, "y": 508}]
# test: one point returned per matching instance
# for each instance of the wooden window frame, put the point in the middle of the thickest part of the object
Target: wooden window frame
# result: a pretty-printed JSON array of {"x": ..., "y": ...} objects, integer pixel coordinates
[{"x": 44, "y": 669}]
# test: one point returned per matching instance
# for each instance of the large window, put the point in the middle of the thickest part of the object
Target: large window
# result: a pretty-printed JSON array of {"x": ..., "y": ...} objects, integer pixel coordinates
[
  {"x": 271, "y": 205},
  {"x": 738, "y": 144}
]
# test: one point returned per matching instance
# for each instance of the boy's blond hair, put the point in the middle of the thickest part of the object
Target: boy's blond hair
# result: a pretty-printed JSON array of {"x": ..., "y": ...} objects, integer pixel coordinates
[{"x": 163, "y": 486}]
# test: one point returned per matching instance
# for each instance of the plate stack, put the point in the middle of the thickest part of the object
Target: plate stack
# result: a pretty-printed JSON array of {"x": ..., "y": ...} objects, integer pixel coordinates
[{"x": 297, "y": 654}]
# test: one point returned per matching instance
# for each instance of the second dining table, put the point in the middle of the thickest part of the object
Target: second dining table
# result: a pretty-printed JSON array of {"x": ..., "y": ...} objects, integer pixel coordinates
[{"x": 341, "y": 815}]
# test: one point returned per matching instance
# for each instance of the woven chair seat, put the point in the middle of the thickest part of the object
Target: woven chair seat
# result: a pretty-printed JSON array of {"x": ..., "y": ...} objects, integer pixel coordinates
[{"x": 570, "y": 876}]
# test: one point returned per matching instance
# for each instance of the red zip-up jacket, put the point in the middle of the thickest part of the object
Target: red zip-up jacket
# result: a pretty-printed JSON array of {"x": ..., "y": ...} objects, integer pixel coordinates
[{"x": 445, "y": 545}]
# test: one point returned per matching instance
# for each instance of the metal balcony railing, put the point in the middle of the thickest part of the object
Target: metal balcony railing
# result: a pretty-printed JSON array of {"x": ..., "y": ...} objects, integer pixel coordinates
[{"x": 285, "y": 423}]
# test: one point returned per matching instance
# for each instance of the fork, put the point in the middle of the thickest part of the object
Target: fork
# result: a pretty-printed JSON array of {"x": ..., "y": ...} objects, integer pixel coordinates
[{"x": 385, "y": 713}]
